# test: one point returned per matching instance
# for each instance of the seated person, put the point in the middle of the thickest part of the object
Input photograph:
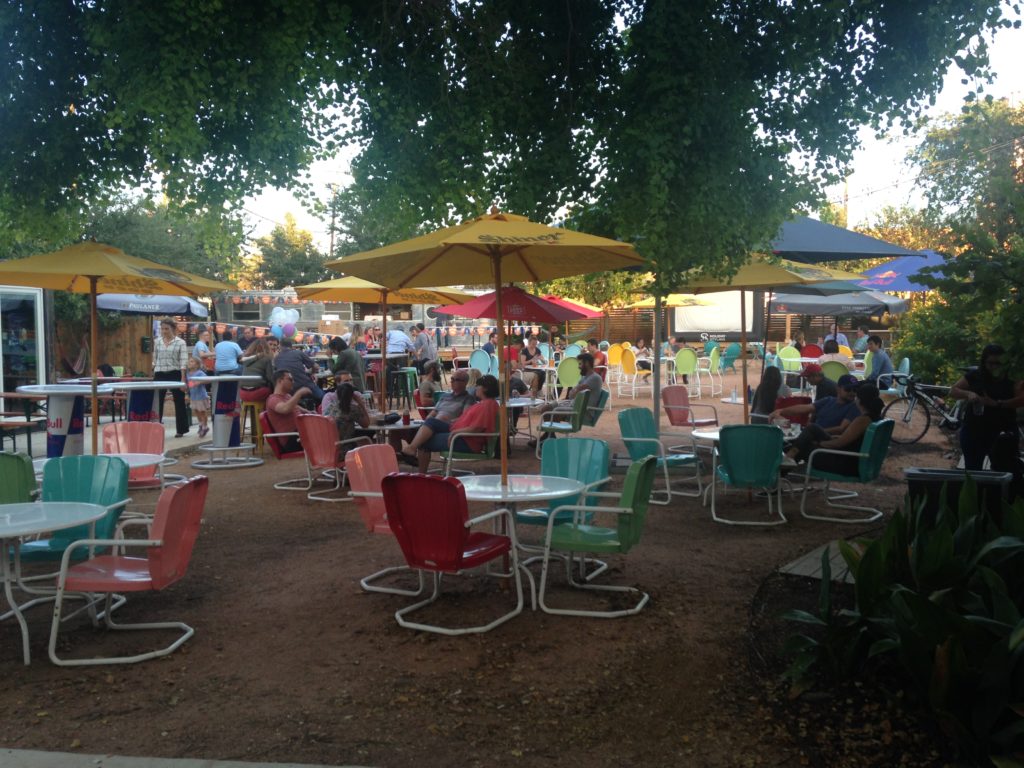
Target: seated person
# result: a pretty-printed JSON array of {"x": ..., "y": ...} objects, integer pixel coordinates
[
  {"x": 881, "y": 366},
  {"x": 849, "y": 438},
  {"x": 104, "y": 371},
  {"x": 530, "y": 357},
  {"x": 600, "y": 358},
  {"x": 860, "y": 344},
  {"x": 282, "y": 408},
  {"x": 300, "y": 366},
  {"x": 492, "y": 343},
  {"x": 350, "y": 415},
  {"x": 832, "y": 414},
  {"x": 768, "y": 391},
  {"x": 590, "y": 381},
  {"x": 435, "y": 433},
  {"x": 644, "y": 356},
  {"x": 823, "y": 386},
  {"x": 832, "y": 353},
  {"x": 429, "y": 382},
  {"x": 258, "y": 361}
]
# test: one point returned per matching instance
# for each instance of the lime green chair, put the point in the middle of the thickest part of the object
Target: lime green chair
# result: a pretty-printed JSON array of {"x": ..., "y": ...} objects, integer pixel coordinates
[
  {"x": 685, "y": 364},
  {"x": 833, "y": 369},
  {"x": 642, "y": 439},
  {"x": 874, "y": 448},
  {"x": 17, "y": 478},
  {"x": 578, "y": 537},
  {"x": 748, "y": 456},
  {"x": 789, "y": 359},
  {"x": 99, "y": 480},
  {"x": 568, "y": 373},
  {"x": 562, "y": 422}
]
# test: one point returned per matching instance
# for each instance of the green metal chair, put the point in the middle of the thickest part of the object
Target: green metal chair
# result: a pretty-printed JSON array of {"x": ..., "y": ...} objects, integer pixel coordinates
[
  {"x": 685, "y": 364},
  {"x": 873, "y": 449},
  {"x": 729, "y": 358},
  {"x": 564, "y": 422},
  {"x": 490, "y": 452},
  {"x": 567, "y": 374},
  {"x": 594, "y": 411},
  {"x": 833, "y": 369},
  {"x": 789, "y": 359},
  {"x": 748, "y": 456},
  {"x": 580, "y": 536},
  {"x": 642, "y": 439},
  {"x": 17, "y": 478}
]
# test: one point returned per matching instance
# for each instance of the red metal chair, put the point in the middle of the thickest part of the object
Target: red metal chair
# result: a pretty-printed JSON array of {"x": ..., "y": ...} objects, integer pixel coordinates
[
  {"x": 811, "y": 350},
  {"x": 367, "y": 467},
  {"x": 430, "y": 520},
  {"x": 785, "y": 402},
  {"x": 423, "y": 409},
  {"x": 137, "y": 437},
  {"x": 276, "y": 441},
  {"x": 320, "y": 443},
  {"x": 172, "y": 536}
]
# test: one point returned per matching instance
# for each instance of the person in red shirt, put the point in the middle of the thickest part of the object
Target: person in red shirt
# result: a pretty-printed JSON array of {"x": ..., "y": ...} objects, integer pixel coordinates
[
  {"x": 283, "y": 406},
  {"x": 435, "y": 434},
  {"x": 600, "y": 358}
]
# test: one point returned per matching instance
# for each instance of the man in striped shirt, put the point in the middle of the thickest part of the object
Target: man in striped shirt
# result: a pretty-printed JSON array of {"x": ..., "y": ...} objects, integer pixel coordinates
[{"x": 170, "y": 358}]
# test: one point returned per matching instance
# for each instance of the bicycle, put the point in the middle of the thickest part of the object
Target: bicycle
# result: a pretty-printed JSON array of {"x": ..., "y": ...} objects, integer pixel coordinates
[{"x": 912, "y": 411}]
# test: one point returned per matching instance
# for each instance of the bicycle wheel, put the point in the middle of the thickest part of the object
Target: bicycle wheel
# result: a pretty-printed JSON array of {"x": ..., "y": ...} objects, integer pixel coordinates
[{"x": 911, "y": 418}]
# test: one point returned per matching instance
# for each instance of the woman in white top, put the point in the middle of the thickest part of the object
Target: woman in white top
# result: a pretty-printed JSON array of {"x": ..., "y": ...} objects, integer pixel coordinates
[
  {"x": 643, "y": 355},
  {"x": 832, "y": 353}
]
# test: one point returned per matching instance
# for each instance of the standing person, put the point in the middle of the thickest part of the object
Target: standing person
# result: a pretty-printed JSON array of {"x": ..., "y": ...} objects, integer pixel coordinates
[
  {"x": 992, "y": 402},
  {"x": 881, "y": 365},
  {"x": 199, "y": 398},
  {"x": 349, "y": 361},
  {"x": 248, "y": 337},
  {"x": 228, "y": 355},
  {"x": 201, "y": 351},
  {"x": 860, "y": 344},
  {"x": 283, "y": 406},
  {"x": 258, "y": 362},
  {"x": 170, "y": 358},
  {"x": 768, "y": 391},
  {"x": 300, "y": 366},
  {"x": 424, "y": 349}
]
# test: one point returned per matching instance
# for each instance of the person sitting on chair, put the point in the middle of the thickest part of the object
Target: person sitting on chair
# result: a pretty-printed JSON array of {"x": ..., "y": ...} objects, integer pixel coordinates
[
  {"x": 768, "y": 391},
  {"x": 832, "y": 414},
  {"x": 832, "y": 353},
  {"x": 869, "y": 410},
  {"x": 589, "y": 381},
  {"x": 434, "y": 435},
  {"x": 283, "y": 406}
]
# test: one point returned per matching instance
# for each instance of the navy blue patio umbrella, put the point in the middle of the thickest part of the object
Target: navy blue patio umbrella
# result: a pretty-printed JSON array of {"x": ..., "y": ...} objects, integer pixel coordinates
[
  {"x": 898, "y": 275},
  {"x": 140, "y": 304}
]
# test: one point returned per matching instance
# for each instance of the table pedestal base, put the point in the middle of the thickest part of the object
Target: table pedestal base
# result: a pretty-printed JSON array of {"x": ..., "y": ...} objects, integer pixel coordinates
[{"x": 219, "y": 458}]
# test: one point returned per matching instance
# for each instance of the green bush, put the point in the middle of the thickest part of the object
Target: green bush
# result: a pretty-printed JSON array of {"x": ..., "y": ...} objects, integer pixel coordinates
[{"x": 943, "y": 599}]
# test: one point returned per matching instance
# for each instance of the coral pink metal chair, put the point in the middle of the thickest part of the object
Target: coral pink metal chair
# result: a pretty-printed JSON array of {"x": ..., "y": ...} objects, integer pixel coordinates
[
  {"x": 681, "y": 412},
  {"x": 430, "y": 520},
  {"x": 276, "y": 441},
  {"x": 137, "y": 437},
  {"x": 168, "y": 551},
  {"x": 320, "y": 443},
  {"x": 367, "y": 467}
]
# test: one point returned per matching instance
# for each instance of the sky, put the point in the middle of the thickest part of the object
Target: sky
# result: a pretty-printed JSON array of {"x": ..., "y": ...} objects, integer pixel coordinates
[{"x": 880, "y": 176}]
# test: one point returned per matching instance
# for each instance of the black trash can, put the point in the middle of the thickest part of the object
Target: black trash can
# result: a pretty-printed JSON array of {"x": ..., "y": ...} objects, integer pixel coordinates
[{"x": 927, "y": 482}]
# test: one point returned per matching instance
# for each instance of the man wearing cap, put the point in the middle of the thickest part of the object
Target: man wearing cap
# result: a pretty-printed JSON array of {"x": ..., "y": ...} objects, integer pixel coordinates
[
  {"x": 814, "y": 376},
  {"x": 830, "y": 413}
]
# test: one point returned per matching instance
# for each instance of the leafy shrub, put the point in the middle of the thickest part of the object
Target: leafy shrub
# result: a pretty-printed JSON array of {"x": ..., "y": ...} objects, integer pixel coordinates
[{"x": 943, "y": 599}]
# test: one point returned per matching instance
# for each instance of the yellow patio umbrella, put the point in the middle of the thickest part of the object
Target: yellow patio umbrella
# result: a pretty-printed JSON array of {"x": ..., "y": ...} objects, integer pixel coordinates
[
  {"x": 96, "y": 268},
  {"x": 670, "y": 301},
  {"x": 364, "y": 292},
  {"x": 494, "y": 249},
  {"x": 762, "y": 274}
]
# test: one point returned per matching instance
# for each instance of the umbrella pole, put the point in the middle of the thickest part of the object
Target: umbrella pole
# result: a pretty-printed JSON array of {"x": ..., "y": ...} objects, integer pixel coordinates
[
  {"x": 656, "y": 373},
  {"x": 383, "y": 347},
  {"x": 767, "y": 325},
  {"x": 743, "y": 352},
  {"x": 93, "y": 337},
  {"x": 504, "y": 390}
]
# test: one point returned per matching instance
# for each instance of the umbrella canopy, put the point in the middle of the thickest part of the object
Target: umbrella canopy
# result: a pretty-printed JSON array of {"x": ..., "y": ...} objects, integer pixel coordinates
[
  {"x": 140, "y": 304},
  {"x": 898, "y": 275},
  {"x": 807, "y": 240},
  {"x": 589, "y": 311},
  {"x": 517, "y": 305},
  {"x": 493, "y": 249},
  {"x": 365, "y": 292},
  {"x": 669, "y": 302},
  {"x": 860, "y": 303},
  {"x": 94, "y": 268}
]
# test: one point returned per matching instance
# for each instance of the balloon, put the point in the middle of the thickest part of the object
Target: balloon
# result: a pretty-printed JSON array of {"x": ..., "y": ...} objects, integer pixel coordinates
[
  {"x": 289, "y": 330},
  {"x": 291, "y": 316},
  {"x": 276, "y": 330}
]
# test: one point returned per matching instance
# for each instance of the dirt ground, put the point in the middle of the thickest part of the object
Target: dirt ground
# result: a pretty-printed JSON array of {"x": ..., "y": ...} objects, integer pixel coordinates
[{"x": 292, "y": 661}]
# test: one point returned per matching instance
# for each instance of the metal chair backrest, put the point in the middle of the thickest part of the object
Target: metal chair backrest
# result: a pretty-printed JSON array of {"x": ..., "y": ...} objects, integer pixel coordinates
[
  {"x": 638, "y": 422},
  {"x": 179, "y": 513},
  {"x": 833, "y": 369},
  {"x": 845, "y": 350},
  {"x": 876, "y": 445},
  {"x": 614, "y": 354},
  {"x": 708, "y": 346},
  {"x": 811, "y": 350},
  {"x": 480, "y": 360},
  {"x": 731, "y": 354},
  {"x": 676, "y": 400},
  {"x": 545, "y": 350},
  {"x": 495, "y": 369},
  {"x": 367, "y": 466},
  {"x": 628, "y": 362},
  {"x": 99, "y": 480},
  {"x": 789, "y": 357},
  {"x": 135, "y": 437},
  {"x": 715, "y": 362},
  {"x": 276, "y": 446},
  {"x": 686, "y": 361},
  {"x": 596, "y": 408},
  {"x": 750, "y": 454},
  {"x": 428, "y": 516},
  {"x": 636, "y": 495},
  {"x": 584, "y": 459},
  {"x": 568, "y": 372},
  {"x": 17, "y": 478},
  {"x": 319, "y": 438},
  {"x": 579, "y": 408},
  {"x": 573, "y": 350}
]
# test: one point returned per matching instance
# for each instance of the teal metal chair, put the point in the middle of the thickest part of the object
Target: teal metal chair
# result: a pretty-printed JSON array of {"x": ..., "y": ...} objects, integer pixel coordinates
[
  {"x": 561, "y": 422},
  {"x": 730, "y": 356},
  {"x": 748, "y": 456},
  {"x": 585, "y": 459},
  {"x": 17, "y": 478},
  {"x": 480, "y": 360},
  {"x": 874, "y": 448},
  {"x": 573, "y": 350},
  {"x": 642, "y": 439},
  {"x": 890, "y": 385},
  {"x": 580, "y": 536}
]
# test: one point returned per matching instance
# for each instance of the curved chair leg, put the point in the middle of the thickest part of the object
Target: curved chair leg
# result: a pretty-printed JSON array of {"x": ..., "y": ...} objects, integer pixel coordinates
[
  {"x": 777, "y": 490},
  {"x": 367, "y": 585},
  {"x": 874, "y": 515},
  {"x": 588, "y": 586}
]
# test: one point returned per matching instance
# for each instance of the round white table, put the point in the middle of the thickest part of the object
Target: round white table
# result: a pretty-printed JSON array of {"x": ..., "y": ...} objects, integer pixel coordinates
[
  {"x": 527, "y": 404},
  {"x": 65, "y": 414},
  {"x": 225, "y": 434},
  {"x": 520, "y": 488},
  {"x": 385, "y": 429},
  {"x": 28, "y": 519}
]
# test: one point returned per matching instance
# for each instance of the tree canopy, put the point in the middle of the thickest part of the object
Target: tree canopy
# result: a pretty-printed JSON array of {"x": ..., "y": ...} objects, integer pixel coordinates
[
  {"x": 287, "y": 257},
  {"x": 672, "y": 125}
]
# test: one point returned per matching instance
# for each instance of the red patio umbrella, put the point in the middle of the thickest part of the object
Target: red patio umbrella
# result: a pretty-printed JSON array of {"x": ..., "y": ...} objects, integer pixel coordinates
[
  {"x": 587, "y": 311},
  {"x": 517, "y": 305}
]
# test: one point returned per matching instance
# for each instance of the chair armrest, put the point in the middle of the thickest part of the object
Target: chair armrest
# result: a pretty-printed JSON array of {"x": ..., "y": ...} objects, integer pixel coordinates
[
  {"x": 834, "y": 452},
  {"x": 502, "y": 511},
  {"x": 596, "y": 484},
  {"x": 366, "y": 494},
  {"x": 453, "y": 435},
  {"x": 360, "y": 439},
  {"x": 280, "y": 434},
  {"x": 122, "y": 504},
  {"x": 656, "y": 441},
  {"x": 578, "y": 511}
]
